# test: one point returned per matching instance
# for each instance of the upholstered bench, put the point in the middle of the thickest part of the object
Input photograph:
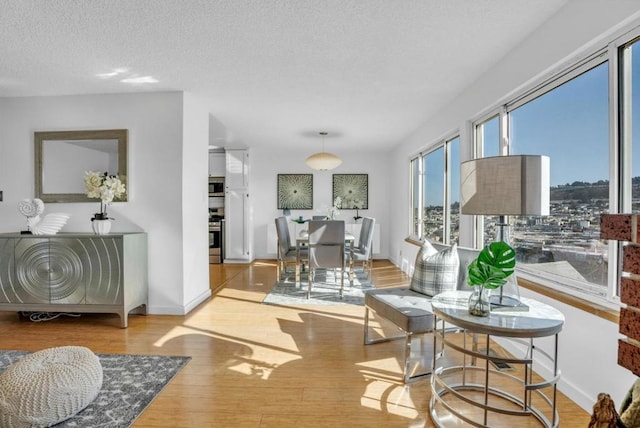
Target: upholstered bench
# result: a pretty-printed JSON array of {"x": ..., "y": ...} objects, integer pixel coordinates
[
  {"x": 410, "y": 310},
  {"x": 49, "y": 386}
]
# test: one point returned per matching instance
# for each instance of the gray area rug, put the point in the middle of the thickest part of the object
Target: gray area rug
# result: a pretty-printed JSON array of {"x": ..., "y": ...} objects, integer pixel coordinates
[
  {"x": 325, "y": 290},
  {"x": 130, "y": 383}
]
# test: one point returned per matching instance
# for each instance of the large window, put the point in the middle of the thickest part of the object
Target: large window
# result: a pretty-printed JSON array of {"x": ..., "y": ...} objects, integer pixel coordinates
[
  {"x": 586, "y": 118},
  {"x": 453, "y": 187},
  {"x": 416, "y": 200},
  {"x": 433, "y": 195},
  {"x": 629, "y": 134},
  {"x": 488, "y": 137},
  {"x": 630, "y": 126},
  {"x": 435, "y": 182},
  {"x": 570, "y": 124}
]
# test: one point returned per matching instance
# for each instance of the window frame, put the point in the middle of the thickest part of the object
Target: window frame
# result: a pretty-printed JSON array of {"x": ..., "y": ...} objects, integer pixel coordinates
[{"x": 444, "y": 143}]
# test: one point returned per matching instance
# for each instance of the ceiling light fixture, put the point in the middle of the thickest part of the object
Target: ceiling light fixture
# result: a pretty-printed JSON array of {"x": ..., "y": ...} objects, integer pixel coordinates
[{"x": 323, "y": 161}]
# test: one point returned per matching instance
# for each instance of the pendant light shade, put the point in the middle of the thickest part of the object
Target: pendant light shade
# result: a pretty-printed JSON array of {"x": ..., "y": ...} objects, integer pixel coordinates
[{"x": 323, "y": 161}]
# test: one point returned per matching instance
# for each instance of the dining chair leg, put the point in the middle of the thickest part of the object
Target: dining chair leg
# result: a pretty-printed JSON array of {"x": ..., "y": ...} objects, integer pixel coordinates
[
  {"x": 351, "y": 271},
  {"x": 311, "y": 272}
]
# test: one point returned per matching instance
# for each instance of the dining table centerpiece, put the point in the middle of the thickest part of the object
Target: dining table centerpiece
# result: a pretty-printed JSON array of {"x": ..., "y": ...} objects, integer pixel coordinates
[
  {"x": 107, "y": 188},
  {"x": 333, "y": 211},
  {"x": 489, "y": 271}
]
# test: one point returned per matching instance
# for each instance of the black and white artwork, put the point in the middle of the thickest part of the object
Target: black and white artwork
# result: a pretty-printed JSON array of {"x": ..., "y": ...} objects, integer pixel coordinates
[
  {"x": 295, "y": 191},
  {"x": 353, "y": 189}
]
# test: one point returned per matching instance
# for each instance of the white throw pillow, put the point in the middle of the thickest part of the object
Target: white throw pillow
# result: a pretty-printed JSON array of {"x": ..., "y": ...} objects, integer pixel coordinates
[{"x": 435, "y": 271}]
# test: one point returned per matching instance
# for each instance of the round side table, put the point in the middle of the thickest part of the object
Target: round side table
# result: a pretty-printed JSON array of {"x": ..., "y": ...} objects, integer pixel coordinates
[{"x": 474, "y": 390}]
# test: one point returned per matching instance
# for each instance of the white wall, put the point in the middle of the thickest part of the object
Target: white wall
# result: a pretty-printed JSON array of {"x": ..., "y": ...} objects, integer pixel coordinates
[
  {"x": 155, "y": 205},
  {"x": 588, "y": 355},
  {"x": 265, "y": 168},
  {"x": 195, "y": 202},
  {"x": 588, "y": 344}
]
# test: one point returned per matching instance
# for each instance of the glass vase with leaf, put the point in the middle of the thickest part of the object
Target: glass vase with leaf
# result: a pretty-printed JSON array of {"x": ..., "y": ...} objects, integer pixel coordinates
[{"x": 489, "y": 271}]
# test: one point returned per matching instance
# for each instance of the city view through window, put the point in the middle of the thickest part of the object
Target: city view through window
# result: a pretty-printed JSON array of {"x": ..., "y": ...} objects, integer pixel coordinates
[{"x": 570, "y": 124}]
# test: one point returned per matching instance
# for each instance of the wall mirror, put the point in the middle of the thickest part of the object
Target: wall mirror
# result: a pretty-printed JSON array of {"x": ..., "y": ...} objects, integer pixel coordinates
[{"x": 62, "y": 157}]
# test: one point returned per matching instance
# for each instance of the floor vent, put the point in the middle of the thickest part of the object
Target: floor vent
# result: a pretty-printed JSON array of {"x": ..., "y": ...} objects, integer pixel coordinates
[{"x": 500, "y": 366}]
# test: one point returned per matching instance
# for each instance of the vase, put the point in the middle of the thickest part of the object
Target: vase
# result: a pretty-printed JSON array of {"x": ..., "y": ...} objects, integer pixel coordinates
[
  {"x": 479, "y": 305},
  {"x": 101, "y": 227}
]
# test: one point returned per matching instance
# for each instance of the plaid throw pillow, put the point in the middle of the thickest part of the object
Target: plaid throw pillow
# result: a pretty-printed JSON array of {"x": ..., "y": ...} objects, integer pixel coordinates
[{"x": 435, "y": 271}]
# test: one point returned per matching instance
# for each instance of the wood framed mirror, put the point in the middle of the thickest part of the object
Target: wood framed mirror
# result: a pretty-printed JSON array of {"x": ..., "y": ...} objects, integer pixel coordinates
[{"x": 63, "y": 157}]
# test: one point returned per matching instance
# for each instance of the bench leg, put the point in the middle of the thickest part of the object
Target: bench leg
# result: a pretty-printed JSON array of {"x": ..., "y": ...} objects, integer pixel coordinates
[
  {"x": 407, "y": 375},
  {"x": 367, "y": 338}
]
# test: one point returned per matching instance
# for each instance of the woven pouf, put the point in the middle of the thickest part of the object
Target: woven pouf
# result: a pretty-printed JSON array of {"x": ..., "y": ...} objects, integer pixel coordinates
[{"x": 49, "y": 386}]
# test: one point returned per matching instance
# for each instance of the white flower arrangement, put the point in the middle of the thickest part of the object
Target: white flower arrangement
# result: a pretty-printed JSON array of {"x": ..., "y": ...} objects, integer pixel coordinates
[
  {"x": 333, "y": 211},
  {"x": 104, "y": 187}
]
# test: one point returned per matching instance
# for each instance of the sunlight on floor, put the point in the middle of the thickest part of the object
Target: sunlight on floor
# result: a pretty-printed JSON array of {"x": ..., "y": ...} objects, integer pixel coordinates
[
  {"x": 172, "y": 334},
  {"x": 393, "y": 399},
  {"x": 258, "y": 360}
]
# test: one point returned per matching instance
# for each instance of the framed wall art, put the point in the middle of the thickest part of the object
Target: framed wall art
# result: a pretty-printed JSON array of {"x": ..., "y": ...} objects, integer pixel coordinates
[
  {"x": 295, "y": 191},
  {"x": 353, "y": 189}
]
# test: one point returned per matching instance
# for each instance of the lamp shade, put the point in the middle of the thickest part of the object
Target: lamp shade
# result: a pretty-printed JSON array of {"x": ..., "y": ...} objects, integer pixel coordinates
[
  {"x": 505, "y": 185},
  {"x": 323, "y": 161}
]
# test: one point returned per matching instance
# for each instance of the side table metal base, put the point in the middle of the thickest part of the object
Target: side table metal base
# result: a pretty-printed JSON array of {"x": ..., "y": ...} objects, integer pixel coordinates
[{"x": 466, "y": 387}]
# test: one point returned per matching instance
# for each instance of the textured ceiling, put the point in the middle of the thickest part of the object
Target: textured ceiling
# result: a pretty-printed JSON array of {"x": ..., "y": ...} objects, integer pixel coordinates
[{"x": 272, "y": 72}]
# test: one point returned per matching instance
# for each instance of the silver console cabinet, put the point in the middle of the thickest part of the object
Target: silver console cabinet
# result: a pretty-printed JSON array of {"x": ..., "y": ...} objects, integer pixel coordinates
[{"x": 74, "y": 272}]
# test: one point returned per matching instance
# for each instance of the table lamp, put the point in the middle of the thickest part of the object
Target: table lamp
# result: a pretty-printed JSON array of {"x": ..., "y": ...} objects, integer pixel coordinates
[{"x": 505, "y": 185}]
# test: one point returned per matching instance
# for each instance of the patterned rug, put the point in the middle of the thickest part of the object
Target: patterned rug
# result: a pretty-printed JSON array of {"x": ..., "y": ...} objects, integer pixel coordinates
[
  {"x": 325, "y": 290},
  {"x": 130, "y": 383}
]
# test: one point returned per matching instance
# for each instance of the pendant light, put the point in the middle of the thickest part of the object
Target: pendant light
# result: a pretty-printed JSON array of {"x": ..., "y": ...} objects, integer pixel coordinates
[{"x": 323, "y": 161}]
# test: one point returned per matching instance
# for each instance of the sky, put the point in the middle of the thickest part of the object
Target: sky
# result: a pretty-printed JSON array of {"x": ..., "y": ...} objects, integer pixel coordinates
[{"x": 570, "y": 124}]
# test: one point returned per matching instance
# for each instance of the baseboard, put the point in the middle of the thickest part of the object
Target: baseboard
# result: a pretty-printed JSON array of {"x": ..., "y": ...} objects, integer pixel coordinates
[
  {"x": 238, "y": 261},
  {"x": 179, "y": 310},
  {"x": 165, "y": 310},
  {"x": 394, "y": 262},
  {"x": 196, "y": 301}
]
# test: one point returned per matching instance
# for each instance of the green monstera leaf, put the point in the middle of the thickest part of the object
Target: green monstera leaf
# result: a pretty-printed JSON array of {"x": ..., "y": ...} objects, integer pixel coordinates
[{"x": 495, "y": 263}]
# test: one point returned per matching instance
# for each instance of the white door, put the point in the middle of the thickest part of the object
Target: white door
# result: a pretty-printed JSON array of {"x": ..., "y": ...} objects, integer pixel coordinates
[
  {"x": 237, "y": 228},
  {"x": 237, "y": 169}
]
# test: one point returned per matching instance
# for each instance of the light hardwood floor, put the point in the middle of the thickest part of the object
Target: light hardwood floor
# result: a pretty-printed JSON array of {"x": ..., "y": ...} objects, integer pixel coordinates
[{"x": 256, "y": 365}]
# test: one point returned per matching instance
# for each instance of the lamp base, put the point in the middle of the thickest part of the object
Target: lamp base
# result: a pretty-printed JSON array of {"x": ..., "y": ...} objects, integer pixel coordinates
[{"x": 507, "y": 304}]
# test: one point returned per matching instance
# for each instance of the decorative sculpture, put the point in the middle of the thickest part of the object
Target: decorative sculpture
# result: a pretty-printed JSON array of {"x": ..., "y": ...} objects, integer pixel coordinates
[{"x": 49, "y": 225}]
